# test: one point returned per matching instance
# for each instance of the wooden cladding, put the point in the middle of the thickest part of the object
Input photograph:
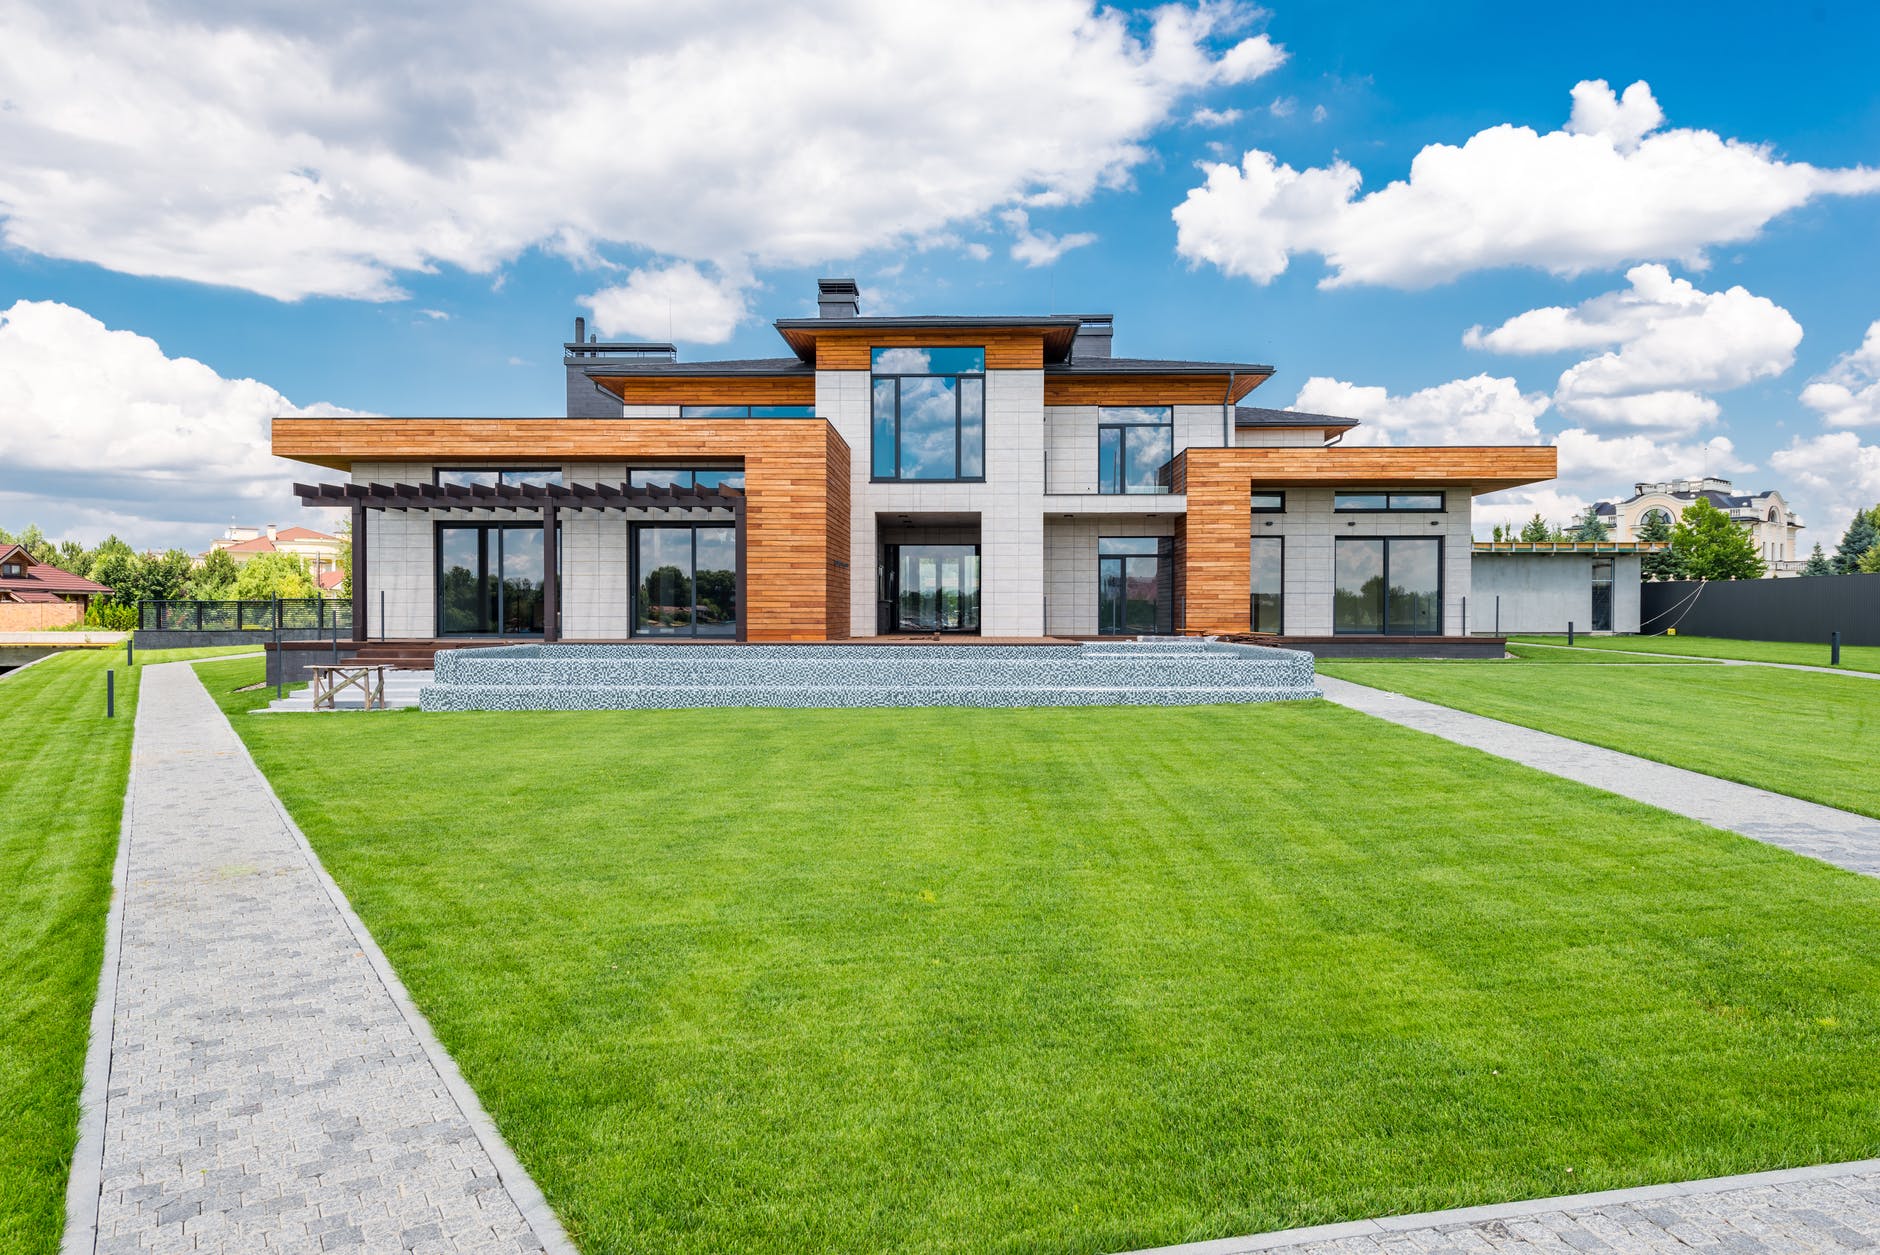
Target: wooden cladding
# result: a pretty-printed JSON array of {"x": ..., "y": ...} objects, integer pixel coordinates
[
  {"x": 1118, "y": 389},
  {"x": 1215, "y": 579},
  {"x": 795, "y": 486},
  {"x": 844, "y": 348},
  {"x": 797, "y": 389}
]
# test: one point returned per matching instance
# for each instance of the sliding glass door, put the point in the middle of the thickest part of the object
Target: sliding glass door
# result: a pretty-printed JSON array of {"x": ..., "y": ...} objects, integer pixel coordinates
[
  {"x": 489, "y": 579},
  {"x": 1391, "y": 586},
  {"x": 1133, "y": 593},
  {"x": 936, "y": 588},
  {"x": 685, "y": 580}
]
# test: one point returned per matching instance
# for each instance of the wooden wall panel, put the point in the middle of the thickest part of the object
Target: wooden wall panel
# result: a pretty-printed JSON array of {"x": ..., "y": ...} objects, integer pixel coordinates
[
  {"x": 1108, "y": 389},
  {"x": 713, "y": 389},
  {"x": 796, "y": 520},
  {"x": 1006, "y": 348},
  {"x": 1214, "y": 551}
]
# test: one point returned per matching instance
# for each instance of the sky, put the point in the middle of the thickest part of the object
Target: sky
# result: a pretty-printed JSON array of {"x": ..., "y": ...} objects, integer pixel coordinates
[{"x": 1646, "y": 233}]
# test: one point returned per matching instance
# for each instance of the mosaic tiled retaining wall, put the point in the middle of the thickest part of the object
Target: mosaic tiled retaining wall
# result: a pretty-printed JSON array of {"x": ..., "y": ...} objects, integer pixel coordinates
[{"x": 1146, "y": 672}]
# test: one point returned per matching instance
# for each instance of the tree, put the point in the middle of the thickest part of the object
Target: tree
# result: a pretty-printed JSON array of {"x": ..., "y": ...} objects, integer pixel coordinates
[
  {"x": 1711, "y": 547},
  {"x": 1496, "y": 536},
  {"x": 1817, "y": 563},
  {"x": 1589, "y": 526},
  {"x": 73, "y": 557},
  {"x": 1536, "y": 529},
  {"x": 1869, "y": 563},
  {"x": 344, "y": 561},
  {"x": 1665, "y": 564},
  {"x": 268, "y": 575},
  {"x": 214, "y": 580},
  {"x": 115, "y": 566},
  {"x": 1861, "y": 535}
]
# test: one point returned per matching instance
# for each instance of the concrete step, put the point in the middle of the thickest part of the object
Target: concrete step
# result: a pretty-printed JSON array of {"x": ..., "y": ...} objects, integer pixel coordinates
[{"x": 440, "y": 697}]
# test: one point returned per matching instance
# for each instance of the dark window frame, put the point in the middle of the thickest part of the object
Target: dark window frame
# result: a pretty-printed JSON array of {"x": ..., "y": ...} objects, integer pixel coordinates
[
  {"x": 1164, "y": 555},
  {"x": 959, "y": 448},
  {"x": 807, "y": 411},
  {"x": 437, "y": 569},
  {"x": 1384, "y": 626},
  {"x": 1253, "y": 619},
  {"x": 1389, "y": 506},
  {"x": 1164, "y": 482},
  {"x": 690, "y": 469},
  {"x": 1269, "y": 509},
  {"x": 438, "y": 472},
  {"x": 634, "y": 528}
]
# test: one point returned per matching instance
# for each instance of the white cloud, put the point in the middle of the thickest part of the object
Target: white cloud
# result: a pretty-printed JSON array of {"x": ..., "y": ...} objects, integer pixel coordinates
[
  {"x": 1479, "y": 410},
  {"x": 435, "y": 314},
  {"x": 978, "y": 251},
  {"x": 1318, "y": 113},
  {"x": 1040, "y": 248},
  {"x": 1833, "y": 474},
  {"x": 310, "y": 150},
  {"x": 1848, "y": 395},
  {"x": 1608, "y": 188},
  {"x": 1213, "y": 117},
  {"x": 1283, "y": 107},
  {"x": 1675, "y": 343},
  {"x": 676, "y": 302},
  {"x": 123, "y": 433}
]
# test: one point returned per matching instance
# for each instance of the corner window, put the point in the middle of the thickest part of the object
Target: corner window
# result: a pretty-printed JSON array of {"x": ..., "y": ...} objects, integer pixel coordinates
[
  {"x": 929, "y": 414},
  {"x": 1388, "y": 586},
  {"x": 528, "y": 476},
  {"x": 1135, "y": 446},
  {"x": 1379, "y": 502},
  {"x": 684, "y": 477},
  {"x": 1269, "y": 503},
  {"x": 747, "y": 411}
]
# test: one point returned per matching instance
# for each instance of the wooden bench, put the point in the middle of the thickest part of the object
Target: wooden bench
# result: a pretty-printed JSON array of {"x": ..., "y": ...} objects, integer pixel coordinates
[{"x": 330, "y": 679}]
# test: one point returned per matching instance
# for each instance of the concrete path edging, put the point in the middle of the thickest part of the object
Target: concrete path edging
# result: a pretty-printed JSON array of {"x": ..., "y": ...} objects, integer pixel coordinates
[
  {"x": 1728, "y": 662},
  {"x": 1488, "y": 1213},
  {"x": 515, "y": 1178}
]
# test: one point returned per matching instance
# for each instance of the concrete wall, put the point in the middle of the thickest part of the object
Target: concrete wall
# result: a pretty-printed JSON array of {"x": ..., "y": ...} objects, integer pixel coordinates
[
  {"x": 1543, "y": 592},
  {"x": 1309, "y": 527},
  {"x": 1070, "y": 559}
]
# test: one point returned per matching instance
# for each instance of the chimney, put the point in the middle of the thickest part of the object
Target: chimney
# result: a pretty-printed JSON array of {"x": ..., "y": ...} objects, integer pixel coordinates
[
  {"x": 580, "y": 329},
  {"x": 1093, "y": 337},
  {"x": 270, "y": 533},
  {"x": 838, "y": 298}
]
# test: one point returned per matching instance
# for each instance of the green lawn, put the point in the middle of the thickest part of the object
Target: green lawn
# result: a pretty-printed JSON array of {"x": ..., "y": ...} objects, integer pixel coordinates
[
  {"x": 1542, "y": 655},
  {"x": 1808, "y": 654},
  {"x": 1805, "y": 734},
  {"x": 61, "y": 799},
  {"x": 1076, "y": 980}
]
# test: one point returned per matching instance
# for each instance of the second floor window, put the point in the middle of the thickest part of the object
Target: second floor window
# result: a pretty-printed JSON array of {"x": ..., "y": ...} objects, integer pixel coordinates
[
  {"x": 747, "y": 411},
  {"x": 930, "y": 413},
  {"x": 1134, "y": 448},
  {"x": 685, "y": 477},
  {"x": 520, "y": 476}
]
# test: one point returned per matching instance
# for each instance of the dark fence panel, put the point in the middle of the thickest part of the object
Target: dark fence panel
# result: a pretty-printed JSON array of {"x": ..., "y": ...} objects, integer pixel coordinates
[
  {"x": 1802, "y": 609},
  {"x": 313, "y": 613}
]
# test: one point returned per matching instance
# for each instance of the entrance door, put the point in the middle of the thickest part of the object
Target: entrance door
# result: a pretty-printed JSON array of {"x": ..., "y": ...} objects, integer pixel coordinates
[
  {"x": 1130, "y": 598},
  {"x": 937, "y": 588},
  {"x": 1602, "y": 594}
]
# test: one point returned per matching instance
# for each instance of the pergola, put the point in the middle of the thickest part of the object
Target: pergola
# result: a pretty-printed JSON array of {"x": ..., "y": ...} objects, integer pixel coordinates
[{"x": 547, "y": 499}]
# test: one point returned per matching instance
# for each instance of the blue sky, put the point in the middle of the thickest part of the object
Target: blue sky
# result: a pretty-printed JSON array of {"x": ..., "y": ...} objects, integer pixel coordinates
[{"x": 350, "y": 222}]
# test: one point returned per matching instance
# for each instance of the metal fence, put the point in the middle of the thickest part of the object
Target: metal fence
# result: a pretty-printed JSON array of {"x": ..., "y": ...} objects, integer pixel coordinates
[
  {"x": 1803, "y": 609},
  {"x": 311, "y": 613}
]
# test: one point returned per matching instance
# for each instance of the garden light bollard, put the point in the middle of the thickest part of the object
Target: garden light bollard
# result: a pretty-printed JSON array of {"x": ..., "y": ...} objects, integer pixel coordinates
[
  {"x": 1834, "y": 649},
  {"x": 110, "y": 694},
  {"x": 130, "y": 655},
  {"x": 280, "y": 663},
  {"x": 1569, "y": 631},
  {"x": 1498, "y": 614}
]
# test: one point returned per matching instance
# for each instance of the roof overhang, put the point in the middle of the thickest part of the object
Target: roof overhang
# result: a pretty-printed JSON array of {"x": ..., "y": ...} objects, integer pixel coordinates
[
  {"x": 1480, "y": 468},
  {"x": 803, "y": 334}
]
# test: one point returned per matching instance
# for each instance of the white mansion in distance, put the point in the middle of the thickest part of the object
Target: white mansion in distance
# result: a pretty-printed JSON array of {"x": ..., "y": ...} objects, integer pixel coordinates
[{"x": 1766, "y": 516}]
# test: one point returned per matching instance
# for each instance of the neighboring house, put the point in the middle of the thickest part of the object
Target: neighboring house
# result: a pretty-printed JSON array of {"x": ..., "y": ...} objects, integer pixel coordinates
[
  {"x": 328, "y": 582},
  {"x": 1004, "y": 475},
  {"x": 1544, "y": 585},
  {"x": 1765, "y": 515},
  {"x": 36, "y": 596},
  {"x": 318, "y": 550}
]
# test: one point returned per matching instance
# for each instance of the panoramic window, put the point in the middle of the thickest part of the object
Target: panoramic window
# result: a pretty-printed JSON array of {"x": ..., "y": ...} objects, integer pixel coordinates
[
  {"x": 489, "y": 579},
  {"x": 1374, "y": 502},
  {"x": 1269, "y": 584},
  {"x": 1135, "y": 445},
  {"x": 1269, "y": 503},
  {"x": 685, "y": 580},
  {"x": 930, "y": 413},
  {"x": 1388, "y": 586},
  {"x": 747, "y": 411},
  {"x": 684, "y": 477},
  {"x": 454, "y": 477}
]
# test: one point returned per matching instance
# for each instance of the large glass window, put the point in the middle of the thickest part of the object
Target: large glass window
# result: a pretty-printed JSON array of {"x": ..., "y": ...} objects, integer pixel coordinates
[
  {"x": 1374, "y": 502},
  {"x": 489, "y": 579},
  {"x": 1134, "y": 448},
  {"x": 747, "y": 411},
  {"x": 1135, "y": 596},
  {"x": 1388, "y": 585},
  {"x": 484, "y": 477},
  {"x": 930, "y": 413},
  {"x": 934, "y": 588},
  {"x": 685, "y": 580},
  {"x": 1269, "y": 584},
  {"x": 684, "y": 477}
]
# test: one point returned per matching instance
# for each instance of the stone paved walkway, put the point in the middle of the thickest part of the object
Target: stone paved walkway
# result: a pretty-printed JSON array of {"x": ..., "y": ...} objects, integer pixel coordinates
[
  {"x": 1834, "y": 836},
  {"x": 267, "y": 1089}
]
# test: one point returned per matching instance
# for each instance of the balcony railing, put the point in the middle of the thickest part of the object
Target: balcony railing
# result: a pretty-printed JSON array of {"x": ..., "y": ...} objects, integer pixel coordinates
[{"x": 301, "y": 614}]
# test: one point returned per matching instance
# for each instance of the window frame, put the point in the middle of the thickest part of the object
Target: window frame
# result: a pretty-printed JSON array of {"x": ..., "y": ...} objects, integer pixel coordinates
[
  {"x": 1163, "y": 483},
  {"x": 1390, "y": 495},
  {"x": 806, "y": 411},
  {"x": 490, "y": 553},
  {"x": 690, "y": 469},
  {"x": 876, "y": 377},
  {"x": 1253, "y": 620},
  {"x": 634, "y": 577},
  {"x": 438, "y": 472},
  {"x": 1269, "y": 509},
  {"x": 1384, "y": 625}
]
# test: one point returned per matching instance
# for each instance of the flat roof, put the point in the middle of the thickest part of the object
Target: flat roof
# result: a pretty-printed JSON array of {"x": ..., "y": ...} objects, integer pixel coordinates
[{"x": 1570, "y": 546}]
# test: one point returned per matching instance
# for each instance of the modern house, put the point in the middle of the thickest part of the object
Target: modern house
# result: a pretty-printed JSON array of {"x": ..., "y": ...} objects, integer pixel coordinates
[
  {"x": 1005, "y": 476},
  {"x": 1764, "y": 515},
  {"x": 1542, "y": 586},
  {"x": 318, "y": 550},
  {"x": 36, "y": 596}
]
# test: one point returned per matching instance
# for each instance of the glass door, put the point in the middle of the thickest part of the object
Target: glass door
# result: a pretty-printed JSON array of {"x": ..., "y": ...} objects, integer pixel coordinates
[
  {"x": 1130, "y": 587},
  {"x": 937, "y": 588},
  {"x": 489, "y": 580}
]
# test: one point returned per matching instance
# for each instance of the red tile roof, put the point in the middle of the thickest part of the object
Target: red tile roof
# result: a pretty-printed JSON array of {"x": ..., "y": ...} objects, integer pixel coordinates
[
  {"x": 42, "y": 576},
  {"x": 31, "y": 595},
  {"x": 331, "y": 579},
  {"x": 260, "y": 544},
  {"x": 302, "y": 533}
]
